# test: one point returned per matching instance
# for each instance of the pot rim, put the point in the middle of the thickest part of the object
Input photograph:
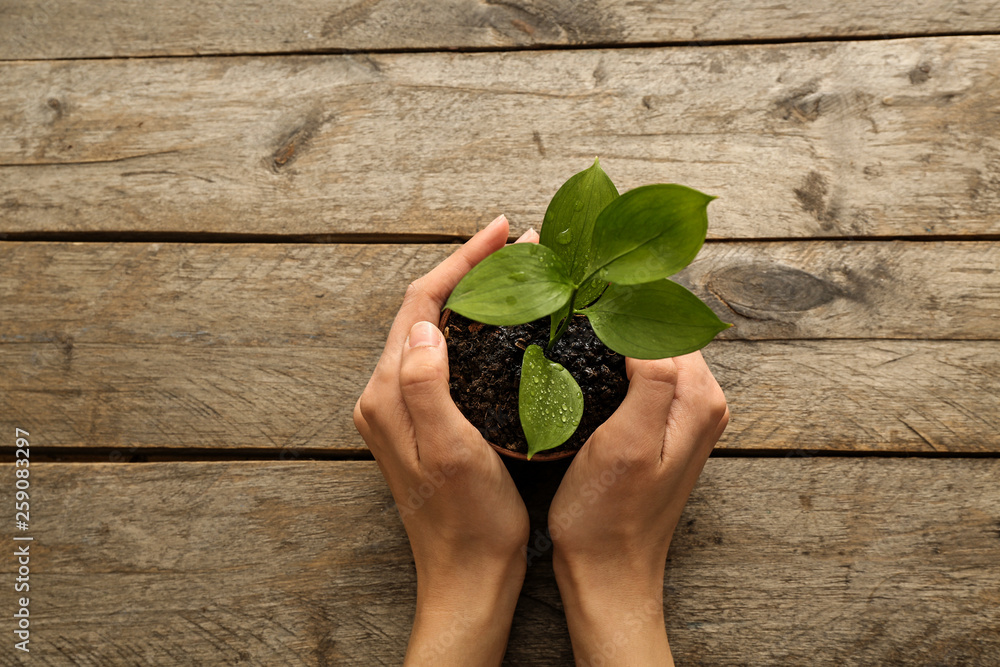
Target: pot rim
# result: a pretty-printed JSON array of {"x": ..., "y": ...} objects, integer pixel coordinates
[{"x": 517, "y": 456}]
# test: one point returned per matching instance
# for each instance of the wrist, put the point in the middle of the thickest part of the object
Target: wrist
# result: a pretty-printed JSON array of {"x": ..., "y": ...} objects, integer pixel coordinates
[
  {"x": 609, "y": 578},
  {"x": 594, "y": 590}
]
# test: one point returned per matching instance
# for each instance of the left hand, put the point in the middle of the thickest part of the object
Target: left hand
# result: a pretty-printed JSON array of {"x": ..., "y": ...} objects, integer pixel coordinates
[{"x": 466, "y": 522}]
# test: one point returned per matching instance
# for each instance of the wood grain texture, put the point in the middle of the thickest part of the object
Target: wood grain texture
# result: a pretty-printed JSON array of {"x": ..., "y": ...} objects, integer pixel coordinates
[
  {"x": 268, "y": 346},
  {"x": 873, "y": 138},
  {"x": 776, "y": 561},
  {"x": 321, "y": 295},
  {"x": 861, "y": 396},
  {"x": 81, "y": 29}
]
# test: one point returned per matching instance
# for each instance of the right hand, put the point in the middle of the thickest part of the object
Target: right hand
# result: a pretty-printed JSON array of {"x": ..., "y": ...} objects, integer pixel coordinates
[{"x": 616, "y": 509}]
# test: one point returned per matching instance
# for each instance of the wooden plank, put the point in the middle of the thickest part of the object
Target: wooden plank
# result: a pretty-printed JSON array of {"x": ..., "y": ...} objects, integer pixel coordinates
[
  {"x": 139, "y": 346},
  {"x": 320, "y": 295},
  {"x": 894, "y": 396},
  {"x": 872, "y": 138},
  {"x": 776, "y": 561},
  {"x": 80, "y": 29}
]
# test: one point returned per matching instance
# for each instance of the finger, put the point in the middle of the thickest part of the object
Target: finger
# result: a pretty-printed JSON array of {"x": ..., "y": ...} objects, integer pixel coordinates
[
  {"x": 640, "y": 421},
  {"x": 441, "y": 280},
  {"x": 530, "y": 236},
  {"x": 692, "y": 363},
  {"x": 360, "y": 422},
  {"x": 426, "y": 296},
  {"x": 720, "y": 428},
  {"x": 381, "y": 417},
  {"x": 651, "y": 388},
  {"x": 438, "y": 424},
  {"x": 700, "y": 404}
]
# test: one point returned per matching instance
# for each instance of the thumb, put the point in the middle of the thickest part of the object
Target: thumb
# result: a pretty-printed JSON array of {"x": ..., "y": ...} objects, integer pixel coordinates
[
  {"x": 423, "y": 383},
  {"x": 639, "y": 424}
]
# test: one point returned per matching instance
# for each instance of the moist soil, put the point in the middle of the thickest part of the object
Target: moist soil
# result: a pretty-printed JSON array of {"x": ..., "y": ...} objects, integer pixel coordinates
[{"x": 485, "y": 366}]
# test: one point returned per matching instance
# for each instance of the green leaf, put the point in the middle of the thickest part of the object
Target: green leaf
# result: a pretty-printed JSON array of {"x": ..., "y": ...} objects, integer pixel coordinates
[
  {"x": 653, "y": 320},
  {"x": 649, "y": 233},
  {"x": 568, "y": 227},
  {"x": 550, "y": 402},
  {"x": 516, "y": 284}
]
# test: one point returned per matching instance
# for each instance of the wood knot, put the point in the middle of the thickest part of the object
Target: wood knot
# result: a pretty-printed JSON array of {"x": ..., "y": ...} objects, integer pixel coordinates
[
  {"x": 752, "y": 289},
  {"x": 920, "y": 73},
  {"x": 284, "y": 154},
  {"x": 803, "y": 104},
  {"x": 812, "y": 198},
  {"x": 524, "y": 27},
  {"x": 56, "y": 106},
  {"x": 293, "y": 143}
]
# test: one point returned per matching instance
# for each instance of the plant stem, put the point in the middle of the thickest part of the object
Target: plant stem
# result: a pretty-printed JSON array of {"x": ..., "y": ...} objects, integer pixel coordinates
[
  {"x": 564, "y": 325},
  {"x": 562, "y": 330}
]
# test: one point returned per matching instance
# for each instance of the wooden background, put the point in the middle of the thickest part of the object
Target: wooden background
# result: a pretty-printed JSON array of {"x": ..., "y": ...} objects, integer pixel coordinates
[{"x": 209, "y": 212}]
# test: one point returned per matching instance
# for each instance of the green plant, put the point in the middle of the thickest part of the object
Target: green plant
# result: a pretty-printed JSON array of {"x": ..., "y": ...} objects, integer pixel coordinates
[{"x": 604, "y": 256}]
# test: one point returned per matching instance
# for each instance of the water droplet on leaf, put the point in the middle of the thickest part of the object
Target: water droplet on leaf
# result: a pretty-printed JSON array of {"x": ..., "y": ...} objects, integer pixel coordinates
[
  {"x": 518, "y": 277},
  {"x": 564, "y": 237},
  {"x": 578, "y": 205}
]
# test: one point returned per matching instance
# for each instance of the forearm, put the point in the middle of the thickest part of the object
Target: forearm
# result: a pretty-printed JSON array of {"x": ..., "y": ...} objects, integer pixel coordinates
[
  {"x": 614, "y": 618},
  {"x": 461, "y": 621}
]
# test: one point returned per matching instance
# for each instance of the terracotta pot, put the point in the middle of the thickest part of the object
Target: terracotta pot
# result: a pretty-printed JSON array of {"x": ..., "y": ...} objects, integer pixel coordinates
[{"x": 503, "y": 451}]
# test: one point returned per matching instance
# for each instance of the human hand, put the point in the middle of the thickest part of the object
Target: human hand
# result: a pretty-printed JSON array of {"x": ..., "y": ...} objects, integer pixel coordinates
[
  {"x": 466, "y": 522},
  {"x": 614, "y": 514}
]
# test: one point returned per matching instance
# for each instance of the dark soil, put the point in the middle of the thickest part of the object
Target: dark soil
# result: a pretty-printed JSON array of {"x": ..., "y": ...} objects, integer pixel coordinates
[{"x": 485, "y": 363}]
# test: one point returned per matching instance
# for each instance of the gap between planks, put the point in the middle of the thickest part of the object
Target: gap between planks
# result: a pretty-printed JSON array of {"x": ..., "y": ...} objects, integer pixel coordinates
[
  {"x": 79, "y": 455},
  {"x": 386, "y": 239},
  {"x": 520, "y": 48}
]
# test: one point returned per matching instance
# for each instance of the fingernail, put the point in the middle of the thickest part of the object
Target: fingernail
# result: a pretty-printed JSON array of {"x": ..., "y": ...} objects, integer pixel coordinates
[
  {"x": 499, "y": 219},
  {"x": 424, "y": 334},
  {"x": 527, "y": 235}
]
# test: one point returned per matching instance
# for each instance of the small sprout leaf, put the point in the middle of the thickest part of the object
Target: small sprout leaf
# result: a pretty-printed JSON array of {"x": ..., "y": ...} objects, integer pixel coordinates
[
  {"x": 568, "y": 225},
  {"x": 518, "y": 283},
  {"x": 550, "y": 402},
  {"x": 653, "y": 320},
  {"x": 649, "y": 233}
]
